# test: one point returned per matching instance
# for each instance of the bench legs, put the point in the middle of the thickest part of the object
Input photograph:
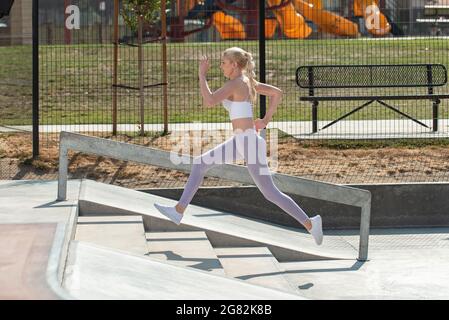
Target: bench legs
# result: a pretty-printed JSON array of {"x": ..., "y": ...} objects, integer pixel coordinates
[
  {"x": 403, "y": 114},
  {"x": 315, "y": 117},
  {"x": 347, "y": 114},
  {"x": 435, "y": 105}
]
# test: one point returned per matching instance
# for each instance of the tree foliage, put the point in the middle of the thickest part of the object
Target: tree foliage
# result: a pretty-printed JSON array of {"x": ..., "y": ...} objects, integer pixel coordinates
[{"x": 148, "y": 9}]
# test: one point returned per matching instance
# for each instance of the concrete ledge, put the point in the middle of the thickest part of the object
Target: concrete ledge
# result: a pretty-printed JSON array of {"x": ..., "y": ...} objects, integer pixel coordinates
[
  {"x": 393, "y": 205},
  {"x": 58, "y": 257}
]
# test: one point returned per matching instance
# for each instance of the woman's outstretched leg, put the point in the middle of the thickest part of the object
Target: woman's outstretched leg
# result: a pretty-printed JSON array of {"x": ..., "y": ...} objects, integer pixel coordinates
[
  {"x": 223, "y": 153},
  {"x": 255, "y": 154},
  {"x": 269, "y": 190}
]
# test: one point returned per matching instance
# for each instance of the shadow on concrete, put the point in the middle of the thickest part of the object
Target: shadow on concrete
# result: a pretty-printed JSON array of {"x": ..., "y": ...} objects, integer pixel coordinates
[
  {"x": 356, "y": 266},
  {"x": 204, "y": 264},
  {"x": 306, "y": 286},
  {"x": 55, "y": 204},
  {"x": 211, "y": 215}
]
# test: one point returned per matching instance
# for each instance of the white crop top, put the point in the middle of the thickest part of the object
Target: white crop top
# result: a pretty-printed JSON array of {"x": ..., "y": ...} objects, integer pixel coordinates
[{"x": 238, "y": 109}]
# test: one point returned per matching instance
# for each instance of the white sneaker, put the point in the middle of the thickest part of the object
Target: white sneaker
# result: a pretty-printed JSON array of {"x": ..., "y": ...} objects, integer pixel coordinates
[
  {"x": 170, "y": 212},
  {"x": 317, "y": 229}
]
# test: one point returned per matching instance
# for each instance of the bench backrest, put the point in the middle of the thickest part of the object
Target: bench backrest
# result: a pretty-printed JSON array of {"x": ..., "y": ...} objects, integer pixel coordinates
[{"x": 371, "y": 76}]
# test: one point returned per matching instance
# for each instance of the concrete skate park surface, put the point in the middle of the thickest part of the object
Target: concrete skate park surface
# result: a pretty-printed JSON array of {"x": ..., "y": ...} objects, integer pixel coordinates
[{"x": 69, "y": 250}]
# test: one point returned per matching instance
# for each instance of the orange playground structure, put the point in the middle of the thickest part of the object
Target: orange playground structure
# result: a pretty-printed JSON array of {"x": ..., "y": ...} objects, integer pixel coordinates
[{"x": 293, "y": 17}]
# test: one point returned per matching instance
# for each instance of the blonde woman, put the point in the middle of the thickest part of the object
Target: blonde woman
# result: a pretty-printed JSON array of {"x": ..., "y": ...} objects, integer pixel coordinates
[{"x": 238, "y": 95}]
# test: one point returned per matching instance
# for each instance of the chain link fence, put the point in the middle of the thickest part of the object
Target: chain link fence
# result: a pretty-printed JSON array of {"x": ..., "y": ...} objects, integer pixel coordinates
[{"x": 97, "y": 76}]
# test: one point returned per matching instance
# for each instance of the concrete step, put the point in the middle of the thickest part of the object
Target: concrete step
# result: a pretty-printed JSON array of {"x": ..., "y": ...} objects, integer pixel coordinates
[
  {"x": 254, "y": 264},
  {"x": 94, "y": 272},
  {"x": 117, "y": 232},
  {"x": 187, "y": 249}
]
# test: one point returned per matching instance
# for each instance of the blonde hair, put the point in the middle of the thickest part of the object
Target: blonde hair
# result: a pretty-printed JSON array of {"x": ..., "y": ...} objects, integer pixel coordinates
[{"x": 245, "y": 62}]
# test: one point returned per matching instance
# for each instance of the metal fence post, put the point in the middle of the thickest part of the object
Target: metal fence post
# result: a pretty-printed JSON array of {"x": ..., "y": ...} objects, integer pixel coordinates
[
  {"x": 263, "y": 100},
  {"x": 35, "y": 32}
]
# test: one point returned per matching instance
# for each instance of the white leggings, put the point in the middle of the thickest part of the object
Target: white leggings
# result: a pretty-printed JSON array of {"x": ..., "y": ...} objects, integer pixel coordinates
[{"x": 250, "y": 146}]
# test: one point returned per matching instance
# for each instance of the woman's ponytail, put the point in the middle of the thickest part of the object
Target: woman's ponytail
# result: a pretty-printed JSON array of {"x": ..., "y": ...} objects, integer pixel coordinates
[{"x": 251, "y": 74}]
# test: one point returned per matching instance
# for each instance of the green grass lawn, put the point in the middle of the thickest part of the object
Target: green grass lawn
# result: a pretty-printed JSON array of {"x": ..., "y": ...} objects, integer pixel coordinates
[
  {"x": 15, "y": 85},
  {"x": 76, "y": 80}
]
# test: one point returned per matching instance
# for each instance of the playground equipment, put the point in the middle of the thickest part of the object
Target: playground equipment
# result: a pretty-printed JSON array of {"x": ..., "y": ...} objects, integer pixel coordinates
[
  {"x": 227, "y": 26},
  {"x": 291, "y": 16},
  {"x": 292, "y": 24},
  {"x": 326, "y": 21},
  {"x": 376, "y": 23},
  {"x": 230, "y": 27}
]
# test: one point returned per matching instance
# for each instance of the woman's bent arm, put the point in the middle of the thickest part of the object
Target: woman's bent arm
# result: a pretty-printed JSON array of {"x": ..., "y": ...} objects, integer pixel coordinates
[
  {"x": 275, "y": 95},
  {"x": 210, "y": 99}
]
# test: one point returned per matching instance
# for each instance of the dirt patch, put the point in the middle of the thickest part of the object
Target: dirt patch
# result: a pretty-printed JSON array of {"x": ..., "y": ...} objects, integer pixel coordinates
[{"x": 341, "y": 163}]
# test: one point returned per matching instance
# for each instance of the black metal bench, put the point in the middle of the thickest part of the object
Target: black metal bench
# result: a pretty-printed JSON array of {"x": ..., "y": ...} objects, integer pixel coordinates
[{"x": 326, "y": 77}]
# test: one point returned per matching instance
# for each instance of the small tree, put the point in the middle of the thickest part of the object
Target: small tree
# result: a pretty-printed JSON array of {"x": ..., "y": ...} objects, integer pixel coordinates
[{"x": 135, "y": 13}]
